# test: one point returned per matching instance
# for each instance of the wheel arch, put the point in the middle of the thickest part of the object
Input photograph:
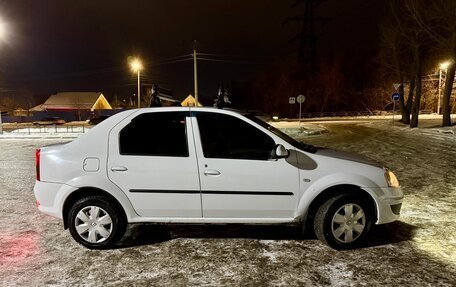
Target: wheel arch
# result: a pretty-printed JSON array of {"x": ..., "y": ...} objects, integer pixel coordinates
[
  {"x": 321, "y": 197},
  {"x": 83, "y": 192}
]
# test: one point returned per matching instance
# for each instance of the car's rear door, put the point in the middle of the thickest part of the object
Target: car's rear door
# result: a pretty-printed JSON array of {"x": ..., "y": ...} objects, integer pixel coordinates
[{"x": 152, "y": 159}]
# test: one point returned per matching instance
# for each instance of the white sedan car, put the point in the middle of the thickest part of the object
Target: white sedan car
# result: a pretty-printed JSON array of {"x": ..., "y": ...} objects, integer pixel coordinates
[{"x": 207, "y": 165}]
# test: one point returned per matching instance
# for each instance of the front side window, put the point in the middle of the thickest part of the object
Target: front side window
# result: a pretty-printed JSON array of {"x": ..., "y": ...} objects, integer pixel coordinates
[
  {"x": 155, "y": 134},
  {"x": 225, "y": 136}
]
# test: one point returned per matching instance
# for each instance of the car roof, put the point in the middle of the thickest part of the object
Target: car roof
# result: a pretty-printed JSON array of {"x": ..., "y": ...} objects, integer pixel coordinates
[{"x": 201, "y": 109}]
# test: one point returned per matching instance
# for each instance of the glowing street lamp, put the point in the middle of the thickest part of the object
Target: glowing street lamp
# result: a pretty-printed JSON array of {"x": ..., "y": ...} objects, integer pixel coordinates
[
  {"x": 442, "y": 66},
  {"x": 136, "y": 66},
  {"x": 2, "y": 30}
]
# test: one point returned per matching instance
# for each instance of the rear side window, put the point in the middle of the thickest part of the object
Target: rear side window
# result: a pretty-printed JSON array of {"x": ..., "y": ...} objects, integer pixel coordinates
[
  {"x": 155, "y": 134},
  {"x": 225, "y": 136}
]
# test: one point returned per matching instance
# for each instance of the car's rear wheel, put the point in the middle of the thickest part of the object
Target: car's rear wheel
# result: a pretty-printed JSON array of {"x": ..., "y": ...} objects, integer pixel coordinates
[
  {"x": 344, "y": 221},
  {"x": 96, "y": 223}
]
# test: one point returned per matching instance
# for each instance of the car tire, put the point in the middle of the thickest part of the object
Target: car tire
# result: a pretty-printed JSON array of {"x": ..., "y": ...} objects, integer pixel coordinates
[
  {"x": 96, "y": 223},
  {"x": 344, "y": 221}
]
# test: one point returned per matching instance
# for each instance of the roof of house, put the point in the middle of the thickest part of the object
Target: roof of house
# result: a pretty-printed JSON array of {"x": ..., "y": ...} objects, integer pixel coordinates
[
  {"x": 74, "y": 101},
  {"x": 190, "y": 101}
]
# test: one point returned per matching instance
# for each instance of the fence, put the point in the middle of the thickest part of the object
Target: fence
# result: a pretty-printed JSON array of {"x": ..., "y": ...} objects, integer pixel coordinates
[
  {"x": 30, "y": 129},
  {"x": 354, "y": 114},
  {"x": 68, "y": 116},
  {"x": 338, "y": 114}
]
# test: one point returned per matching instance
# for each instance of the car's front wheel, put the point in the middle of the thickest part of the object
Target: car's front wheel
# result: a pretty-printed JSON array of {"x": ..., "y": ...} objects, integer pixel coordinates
[
  {"x": 96, "y": 223},
  {"x": 344, "y": 221}
]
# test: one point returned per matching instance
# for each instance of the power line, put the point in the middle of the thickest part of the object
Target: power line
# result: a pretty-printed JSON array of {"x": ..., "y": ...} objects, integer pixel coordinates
[
  {"x": 173, "y": 58},
  {"x": 233, "y": 56},
  {"x": 230, "y": 61},
  {"x": 165, "y": 61},
  {"x": 171, "y": 62}
]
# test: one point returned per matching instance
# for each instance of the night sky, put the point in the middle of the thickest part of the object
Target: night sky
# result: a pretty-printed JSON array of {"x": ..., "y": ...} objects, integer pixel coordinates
[{"x": 67, "y": 45}]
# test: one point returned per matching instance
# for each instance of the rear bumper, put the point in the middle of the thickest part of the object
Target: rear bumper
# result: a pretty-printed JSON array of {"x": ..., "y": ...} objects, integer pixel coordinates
[{"x": 49, "y": 197}]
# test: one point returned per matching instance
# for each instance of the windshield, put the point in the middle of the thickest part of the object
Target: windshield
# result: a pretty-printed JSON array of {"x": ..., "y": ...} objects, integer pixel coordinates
[{"x": 282, "y": 135}]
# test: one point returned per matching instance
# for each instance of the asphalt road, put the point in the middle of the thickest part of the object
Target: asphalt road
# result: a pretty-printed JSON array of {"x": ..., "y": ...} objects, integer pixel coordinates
[{"x": 418, "y": 250}]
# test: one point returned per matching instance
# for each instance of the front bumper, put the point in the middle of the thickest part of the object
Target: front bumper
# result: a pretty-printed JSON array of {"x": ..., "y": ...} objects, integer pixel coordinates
[{"x": 389, "y": 203}]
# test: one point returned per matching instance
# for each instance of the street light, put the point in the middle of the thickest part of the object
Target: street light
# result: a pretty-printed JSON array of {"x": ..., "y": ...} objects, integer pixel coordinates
[
  {"x": 136, "y": 66},
  {"x": 3, "y": 36},
  {"x": 442, "y": 66},
  {"x": 3, "y": 30},
  {"x": 445, "y": 65}
]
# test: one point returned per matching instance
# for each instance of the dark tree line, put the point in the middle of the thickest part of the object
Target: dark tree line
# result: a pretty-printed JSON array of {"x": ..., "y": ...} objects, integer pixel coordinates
[
  {"x": 341, "y": 83},
  {"x": 413, "y": 37}
]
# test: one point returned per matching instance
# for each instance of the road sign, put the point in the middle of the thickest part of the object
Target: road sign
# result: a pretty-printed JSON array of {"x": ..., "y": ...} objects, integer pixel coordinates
[
  {"x": 396, "y": 86},
  {"x": 300, "y": 100},
  {"x": 292, "y": 100},
  {"x": 395, "y": 96}
]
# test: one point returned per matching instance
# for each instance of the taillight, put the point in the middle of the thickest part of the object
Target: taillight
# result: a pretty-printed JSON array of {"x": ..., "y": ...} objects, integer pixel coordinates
[{"x": 37, "y": 163}]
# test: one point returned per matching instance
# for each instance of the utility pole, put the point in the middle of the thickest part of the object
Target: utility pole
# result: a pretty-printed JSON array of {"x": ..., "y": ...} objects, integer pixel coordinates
[
  {"x": 195, "y": 72},
  {"x": 136, "y": 66},
  {"x": 440, "y": 88},
  {"x": 139, "y": 88},
  {"x": 307, "y": 51}
]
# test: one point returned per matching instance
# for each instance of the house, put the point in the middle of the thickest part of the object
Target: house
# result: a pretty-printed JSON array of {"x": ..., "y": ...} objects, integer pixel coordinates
[
  {"x": 190, "y": 102},
  {"x": 74, "y": 101},
  {"x": 72, "y": 106}
]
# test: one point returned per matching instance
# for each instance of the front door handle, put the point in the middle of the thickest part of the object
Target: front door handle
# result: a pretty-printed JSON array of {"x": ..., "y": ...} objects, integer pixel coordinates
[
  {"x": 212, "y": 172},
  {"x": 119, "y": 168}
]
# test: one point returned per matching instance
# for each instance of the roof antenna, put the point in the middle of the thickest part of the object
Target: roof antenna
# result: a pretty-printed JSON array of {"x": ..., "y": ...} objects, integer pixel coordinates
[
  {"x": 155, "y": 100},
  {"x": 222, "y": 100}
]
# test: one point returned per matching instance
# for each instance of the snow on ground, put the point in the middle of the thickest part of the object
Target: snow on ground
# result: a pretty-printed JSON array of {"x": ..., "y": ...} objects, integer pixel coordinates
[
  {"x": 425, "y": 162},
  {"x": 417, "y": 250}
]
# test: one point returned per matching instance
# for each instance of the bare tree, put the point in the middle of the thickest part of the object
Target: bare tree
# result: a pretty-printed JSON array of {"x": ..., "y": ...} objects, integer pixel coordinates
[
  {"x": 448, "y": 43},
  {"x": 406, "y": 43},
  {"x": 332, "y": 85},
  {"x": 396, "y": 54},
  {"x": 440, "y": 26}
]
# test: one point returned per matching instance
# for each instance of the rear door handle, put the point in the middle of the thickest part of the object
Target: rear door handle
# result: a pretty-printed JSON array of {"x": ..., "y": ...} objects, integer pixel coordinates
[
  {"x": 212, "y": 172},
  {"x": 119, "y": 168}
]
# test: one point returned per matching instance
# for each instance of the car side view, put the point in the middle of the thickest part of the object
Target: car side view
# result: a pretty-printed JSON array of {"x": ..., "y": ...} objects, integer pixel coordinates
[{"x": 208, "y": 166}]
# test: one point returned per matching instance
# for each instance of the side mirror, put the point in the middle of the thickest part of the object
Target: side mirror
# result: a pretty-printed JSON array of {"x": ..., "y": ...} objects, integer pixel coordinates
[{"x": 280, "y": 152}]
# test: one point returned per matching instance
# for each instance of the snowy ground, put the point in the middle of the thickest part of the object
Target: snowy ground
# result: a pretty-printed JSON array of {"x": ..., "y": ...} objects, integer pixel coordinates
[{"x": 418, "y": 250}]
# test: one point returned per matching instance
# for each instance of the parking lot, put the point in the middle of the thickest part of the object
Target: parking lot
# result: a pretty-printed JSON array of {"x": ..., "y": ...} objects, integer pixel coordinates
[{"x": 418, "y": 250}]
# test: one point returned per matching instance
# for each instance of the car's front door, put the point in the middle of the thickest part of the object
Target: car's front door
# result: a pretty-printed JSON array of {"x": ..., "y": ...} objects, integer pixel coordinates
[
  {"x": 238, "y": 177},
  {"x": 153, "y": 161}
]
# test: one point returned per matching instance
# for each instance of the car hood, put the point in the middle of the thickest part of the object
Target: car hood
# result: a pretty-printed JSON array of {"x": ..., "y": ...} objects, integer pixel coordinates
[{"x": 348, "y": 156}]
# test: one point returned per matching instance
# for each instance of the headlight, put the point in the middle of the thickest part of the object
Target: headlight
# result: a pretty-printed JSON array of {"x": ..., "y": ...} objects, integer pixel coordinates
[{"x": 391, "y": 179}]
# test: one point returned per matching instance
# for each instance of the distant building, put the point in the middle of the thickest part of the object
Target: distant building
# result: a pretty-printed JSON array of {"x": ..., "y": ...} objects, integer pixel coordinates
[
  {"x": 72, "y": 106},
  {"x": 190, "y": 101},
  {"x": 74, "y": 101}
]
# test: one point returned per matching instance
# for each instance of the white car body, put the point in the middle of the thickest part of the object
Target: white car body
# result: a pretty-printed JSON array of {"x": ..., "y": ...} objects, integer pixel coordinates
[{"x": 196, "y": 189}]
